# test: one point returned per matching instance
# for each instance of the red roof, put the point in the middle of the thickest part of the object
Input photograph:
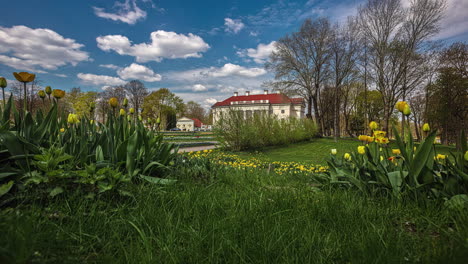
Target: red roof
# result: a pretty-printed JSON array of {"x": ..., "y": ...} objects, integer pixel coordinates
[
  {"x": 197, "y": 122},
  {"x": 272, "y": 99}
]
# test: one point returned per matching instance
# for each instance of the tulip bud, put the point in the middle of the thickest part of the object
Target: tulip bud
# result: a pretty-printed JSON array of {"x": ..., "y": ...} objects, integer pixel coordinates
[
  {"x": 396, "y": 151},
  {"x": 132, "y": 110},
  {"x": 333, "y": 151},
  {"x": 361, "y": 150},
  {"x": 57, "y": 93},
  {"x": 122, "y": 112},
  {"x": 125, "y": 102},
  {"x": 73, "y": 119},
  {"x": 42, "y": 94},
  {"x": 400, "y": 106},
  {"x": 3, "y": 82},
  {"x": 91, "y": 122},
  {"x": 62, "y": 130},
  {"x": 373, "y": 125},
  {"x": 140, "y": 118},
  {"x": 48, "y": 90},
  {"x": 158, "y": 121},
  {"x": 113, "y": 102},
  {"x": 426, "y": 127},
  {"x": 362, "y": 137},
  {"x": 347, "y": 156},
  {"x": 407, "y": 110}
]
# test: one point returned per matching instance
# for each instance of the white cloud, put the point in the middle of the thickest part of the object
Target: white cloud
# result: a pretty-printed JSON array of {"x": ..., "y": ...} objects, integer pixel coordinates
[
  {"x": 260, "y": 54},
  {"x": 109, "y": 66},
  {"x": 61, "y": 75},
  {"x": 233, "y": 25},
  {"x": 139, "y": 72},
  {"x": 27, "y": 49},
  {"x": 100, "y": 79},
  {"x": 199, "y": 88},
  {"x": 253, "y": 33},
  {"x": 127, "y": 12},
  {"x": 455, "y": 22},
  {"x": 164, "y": 44},
  {"x": 228, "y": 70},
  {"x": 210, "y": 101}
]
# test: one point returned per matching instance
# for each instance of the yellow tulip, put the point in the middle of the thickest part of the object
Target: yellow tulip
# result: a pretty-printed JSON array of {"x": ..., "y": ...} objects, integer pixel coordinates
[
  {"x": 48, "y": 90},
  {"x": 3, "y": 82},
  {"x": 24, "y": 77},
  {"x": 370, "y": 139},
  {"x": 400, "y": 106},
  {"x": 57, "y": 93},
  {"x": 125, "y": 102},
  {"x": 396, "y": 151},
  {"x": 362, "y": 137},
  {"x": 113, "y": 102},
  {"x": 333, "y": 151},
  {"x": 379, "y": 133},
  {"x": 361, "y": 150},
  {"x": 381, "y": 158},
  {"x": 122, "y": 112},
  {"x": 407, "y": 110},
  {"x": 42, "y": 94},
  {"x": 132, "y": 110},
  {"x": 347, "y": 156},
  {"x": 91, "y": 122},
  {"x": 441, "y": 157},
  {"x": 62, "y": 130},
  {"x": 426, "y": 127},
  {"x": 73, "y": 119},
  {"x": 373, "y": 125}
]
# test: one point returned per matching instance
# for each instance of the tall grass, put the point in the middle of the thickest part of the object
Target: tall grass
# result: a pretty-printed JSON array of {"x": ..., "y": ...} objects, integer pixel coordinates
[
  {"x": 234, "y": 218},
  {"x": 238, "y": 133}
]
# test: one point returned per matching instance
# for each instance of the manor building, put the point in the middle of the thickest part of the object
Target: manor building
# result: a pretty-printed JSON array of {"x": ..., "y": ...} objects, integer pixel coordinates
[{"x": 277, "y": 104}]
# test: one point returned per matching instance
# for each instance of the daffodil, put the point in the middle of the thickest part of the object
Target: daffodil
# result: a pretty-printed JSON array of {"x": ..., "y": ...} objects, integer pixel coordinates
[
  {"x": 333, "y": 151},
  {"x": 396, "y": 151},
  {"x": 113, "y": 102},
  {"x": 361, "y": 150},
  {"x": 373, "y": 125},
  {"x": 426, "y": 127}
]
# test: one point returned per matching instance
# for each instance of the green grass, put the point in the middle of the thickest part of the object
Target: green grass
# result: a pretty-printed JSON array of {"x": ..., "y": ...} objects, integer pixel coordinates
[
  {"x": 316, "y": 151},
  {"x": 237, "y": 218}
]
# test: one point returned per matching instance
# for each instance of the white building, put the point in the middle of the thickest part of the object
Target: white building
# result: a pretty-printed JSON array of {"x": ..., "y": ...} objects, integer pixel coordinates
[
  {"x": 188, "y": 124},
  {"x": 274, "y": 104}
]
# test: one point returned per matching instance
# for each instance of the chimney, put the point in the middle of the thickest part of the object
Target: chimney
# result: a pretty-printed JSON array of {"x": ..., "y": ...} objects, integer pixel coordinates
[
  {"x": 278, "y": 92},
  {"x": 236, "y": 93},
  {"x": 247, "y": 93},
  {"x": 265, "y": 91}
]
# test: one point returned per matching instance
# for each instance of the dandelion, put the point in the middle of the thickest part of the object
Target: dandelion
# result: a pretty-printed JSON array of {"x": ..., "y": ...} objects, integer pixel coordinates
[
  {"x": 361, "y": 150},
  {"x": 333, "y": 151}
]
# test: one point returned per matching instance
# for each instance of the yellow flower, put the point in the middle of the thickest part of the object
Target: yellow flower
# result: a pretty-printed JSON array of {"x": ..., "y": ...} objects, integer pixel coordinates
[
  {"x": 91, "y": 121},
  {"x": 125, "y": 102},
  {"x": 62, "y": 130},
  {"x": 122, "y": 111},
  {"x": 441, "y": 157},
  {"x": 57, "y": 93},
  {"x": 361, "y": 150},
  {"x": 333, "y": 151},
  {"x": 24, "y": 77},
  {"x": 400, "y": 106},
  {"x": 48, "y": 90},
  {"x": 347, "y": 156},
  {"x": 379, "y": 133},
  {"x": 362, "y": 137},
  {"x": 42, "y": 94},
  {"x": 381, "y": 158},
  {"x": 373, "y": 125},
  {"x": 3, "y": 82},
  {"x": 370, "y": 139},
  {"x": 73, "y": 119},
  {"x": 131, "y": 110},
  {"x": 158, "y": 121},
  {"x": 113, "y": 102},
  {"x": 407, "y": 110},
  {"x": 426, "y": 127},
  {"x": 396, "y": 151}
]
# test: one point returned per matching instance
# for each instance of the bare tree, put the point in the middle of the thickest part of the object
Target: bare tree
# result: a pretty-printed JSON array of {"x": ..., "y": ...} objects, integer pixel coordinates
[{"x": 137, "y": 92}]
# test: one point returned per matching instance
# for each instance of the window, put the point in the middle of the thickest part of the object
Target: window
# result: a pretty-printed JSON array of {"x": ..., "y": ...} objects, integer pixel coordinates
[{"x": 282, "y": 111}]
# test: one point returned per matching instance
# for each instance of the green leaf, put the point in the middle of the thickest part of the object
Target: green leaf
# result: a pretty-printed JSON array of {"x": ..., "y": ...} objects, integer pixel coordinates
[
  {"x": 56, "y": 191},
  {"x": 158, "y": 180},
  {"x": 5, "y": 188},
  {"x": 458, "y": 202}
]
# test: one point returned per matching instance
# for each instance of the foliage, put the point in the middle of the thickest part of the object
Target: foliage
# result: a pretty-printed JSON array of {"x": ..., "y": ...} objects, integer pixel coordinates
[
  {"x": 164, "y": 105},
  {"x": 238, "y": 133}
]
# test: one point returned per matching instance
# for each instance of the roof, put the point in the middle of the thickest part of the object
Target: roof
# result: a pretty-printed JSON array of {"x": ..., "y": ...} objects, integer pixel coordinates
[
  {"x": 272, "y": 99},
  {"x": 197, "y": 122}
]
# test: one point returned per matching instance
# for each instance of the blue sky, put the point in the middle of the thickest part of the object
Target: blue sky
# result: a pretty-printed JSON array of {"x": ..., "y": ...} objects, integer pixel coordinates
[{"x": 200, "y": 50}]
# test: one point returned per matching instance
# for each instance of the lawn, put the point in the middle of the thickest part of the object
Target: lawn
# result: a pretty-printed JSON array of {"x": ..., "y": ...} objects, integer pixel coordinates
[
  {"x": 316, "y": 151},
  {"x": 236, "y": 217}
]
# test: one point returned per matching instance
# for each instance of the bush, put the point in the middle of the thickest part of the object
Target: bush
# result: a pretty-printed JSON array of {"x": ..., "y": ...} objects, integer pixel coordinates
[{"x": 235, "y": 132}]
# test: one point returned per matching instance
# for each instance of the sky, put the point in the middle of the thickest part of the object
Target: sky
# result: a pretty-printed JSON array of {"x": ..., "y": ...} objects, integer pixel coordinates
[{"x": 201, "y": 50}]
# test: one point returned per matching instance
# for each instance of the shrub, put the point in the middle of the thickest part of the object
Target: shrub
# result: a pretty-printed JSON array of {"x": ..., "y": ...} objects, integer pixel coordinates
[{"x": 235, "y": 132}]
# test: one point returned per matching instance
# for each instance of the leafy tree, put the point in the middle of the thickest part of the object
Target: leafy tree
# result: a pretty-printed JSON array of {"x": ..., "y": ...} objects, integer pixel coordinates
[{"x": 165, "y": 105}]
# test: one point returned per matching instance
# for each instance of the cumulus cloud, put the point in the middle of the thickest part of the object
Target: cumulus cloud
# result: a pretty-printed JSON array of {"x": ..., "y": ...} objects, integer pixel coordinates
[
  {"x": 100, "y": 79},
  {"x": 199, "y": 88},
  {"x": 138, "y": 72},
  {"x": 233, "y": 25},
  {"x": 227, "y": 70},
  {"x": 164, "y": 44},
  {"x": 127, "y": 12},
  {"x": 211, "y": 100},
  {"x": 26, "y": 48},
  {"x": 109, "y": 66},
  {"x": 455, "y": 22},
  {"x": 259, "y": 54}
]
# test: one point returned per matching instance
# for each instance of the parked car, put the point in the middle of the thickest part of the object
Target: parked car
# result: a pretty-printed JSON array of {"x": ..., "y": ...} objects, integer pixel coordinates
[{"x": 175, "y": 129}]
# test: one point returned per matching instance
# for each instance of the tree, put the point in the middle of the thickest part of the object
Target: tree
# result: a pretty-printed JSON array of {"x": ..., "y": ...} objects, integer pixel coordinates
[
  {"x": 82, "y": 103},
  {"x": 164, "y": 105},
  {"x": 103, "y": 107},
  {"x": 137, "y": 92},
  {"x": 195, "y": 110}
]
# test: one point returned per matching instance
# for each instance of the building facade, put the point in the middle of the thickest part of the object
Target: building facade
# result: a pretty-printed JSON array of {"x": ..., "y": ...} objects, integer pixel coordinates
[
  {"x": 189, "y": 124},
  {"x": 277, "y": 104}
]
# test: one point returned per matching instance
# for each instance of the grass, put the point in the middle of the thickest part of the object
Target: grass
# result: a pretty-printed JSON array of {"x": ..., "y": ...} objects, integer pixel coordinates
[
  {"x": 235, "y": 218},
  {"x": 316, "y": 151}
]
